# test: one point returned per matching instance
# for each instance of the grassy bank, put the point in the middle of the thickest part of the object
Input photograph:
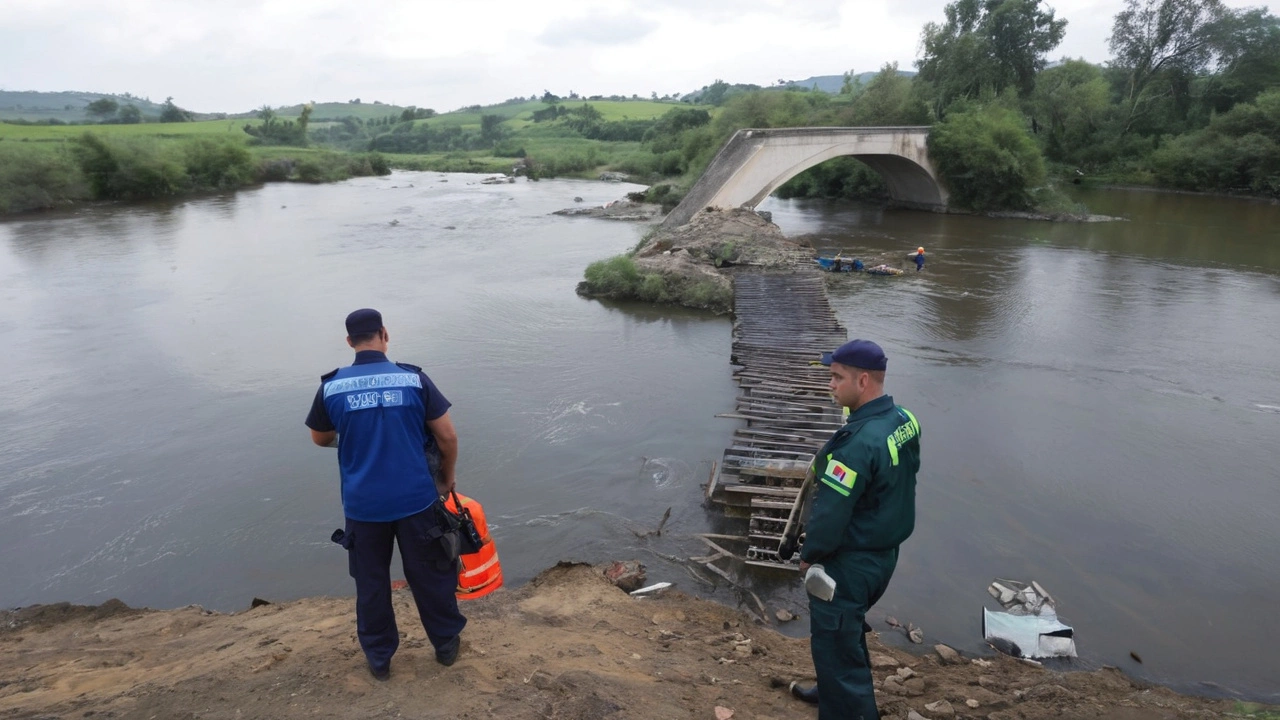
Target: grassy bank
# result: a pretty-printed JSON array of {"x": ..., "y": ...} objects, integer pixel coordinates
[
  {"x": 43, "y": 167},
  {"x": 619, "y": 278}
]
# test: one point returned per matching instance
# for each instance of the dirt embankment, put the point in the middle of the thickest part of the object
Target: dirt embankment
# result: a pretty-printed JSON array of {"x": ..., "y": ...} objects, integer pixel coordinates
[
  {"x": 568, "y": 645},
  {"x": 692, "y": 265}
]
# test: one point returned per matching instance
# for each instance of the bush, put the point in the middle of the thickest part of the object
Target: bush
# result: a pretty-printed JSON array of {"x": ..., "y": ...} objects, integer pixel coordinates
[
  {"x": 615, "y": 277},
  {"x": 218, "y": 165},
  {"x": 987, "y": 158},
  {"x": 1238, "y": 152},
  {"x": 618, "y": 278},
  {"x": 134, "y": 169},
  {"x": 37, "y": 178}
]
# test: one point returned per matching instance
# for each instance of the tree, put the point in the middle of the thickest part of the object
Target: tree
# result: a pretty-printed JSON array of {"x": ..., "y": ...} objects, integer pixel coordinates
[
  {"x": 987, "y": 159},
  {"x": 987, "y": 45},
  {"x": 102, "y": 109},
  {"x": 1166, "y": 40},
  {"x": 887, "y": 100},
  {"x": 1248, "y": 43},
  {"x": 846, "y": 87},
  {"x": 173, "y": 114},
  {"x": 1070, "y": 104},
  {"x": 491, "y": 128},
  {"x": 130, "y": 115}
]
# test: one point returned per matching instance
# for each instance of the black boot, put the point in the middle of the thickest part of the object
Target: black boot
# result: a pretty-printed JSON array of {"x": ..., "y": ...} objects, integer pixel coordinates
[{"x": 809, "y": 695}]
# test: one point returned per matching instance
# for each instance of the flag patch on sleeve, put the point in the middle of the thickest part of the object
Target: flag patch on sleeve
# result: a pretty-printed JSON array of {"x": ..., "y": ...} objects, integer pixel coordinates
[{"x": 842, "y": 474}]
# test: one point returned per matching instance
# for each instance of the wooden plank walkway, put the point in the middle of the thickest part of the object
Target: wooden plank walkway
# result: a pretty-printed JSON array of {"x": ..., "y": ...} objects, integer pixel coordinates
[{"x": 782, "y": 325}]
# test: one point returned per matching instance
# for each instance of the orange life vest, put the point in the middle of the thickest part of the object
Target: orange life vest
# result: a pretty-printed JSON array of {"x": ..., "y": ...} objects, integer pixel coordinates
[{"x": 481, "y": 572}]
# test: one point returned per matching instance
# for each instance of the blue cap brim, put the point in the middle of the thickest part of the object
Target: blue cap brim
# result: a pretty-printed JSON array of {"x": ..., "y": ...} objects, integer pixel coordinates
[{"x": 826, "y": 359}]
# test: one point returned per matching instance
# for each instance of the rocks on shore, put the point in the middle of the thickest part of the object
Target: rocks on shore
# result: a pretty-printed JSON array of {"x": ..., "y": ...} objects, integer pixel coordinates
[{"x": 628, "y": 210}]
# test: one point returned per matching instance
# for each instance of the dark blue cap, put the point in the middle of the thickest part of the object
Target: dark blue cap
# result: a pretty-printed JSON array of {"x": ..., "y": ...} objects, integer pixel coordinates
[
  {"x": 862, "y": 354},
  {"x": 363, "y": 322}
]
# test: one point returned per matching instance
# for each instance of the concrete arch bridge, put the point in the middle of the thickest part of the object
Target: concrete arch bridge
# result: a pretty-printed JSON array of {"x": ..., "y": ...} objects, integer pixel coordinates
[{"x": 754, "y": 163}]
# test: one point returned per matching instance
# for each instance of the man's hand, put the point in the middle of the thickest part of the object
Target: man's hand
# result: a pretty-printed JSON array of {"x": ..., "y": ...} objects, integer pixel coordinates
[
  {"x": 445, "y": 485},
  {"x": 804, "y": 566}
]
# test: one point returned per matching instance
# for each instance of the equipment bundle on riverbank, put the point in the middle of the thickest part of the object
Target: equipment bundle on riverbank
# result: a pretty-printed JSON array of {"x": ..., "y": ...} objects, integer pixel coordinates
[{"x": 783, "y": 322}]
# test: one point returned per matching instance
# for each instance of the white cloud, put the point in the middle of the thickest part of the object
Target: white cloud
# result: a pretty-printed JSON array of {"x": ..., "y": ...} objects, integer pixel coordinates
[
  {"x": 597, "y": 29},
  {"x": 239, "y": 54}
]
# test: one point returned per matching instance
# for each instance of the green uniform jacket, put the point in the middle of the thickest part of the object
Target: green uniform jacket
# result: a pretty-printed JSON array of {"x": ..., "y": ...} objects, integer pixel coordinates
[{"x": 866, "y": 484}]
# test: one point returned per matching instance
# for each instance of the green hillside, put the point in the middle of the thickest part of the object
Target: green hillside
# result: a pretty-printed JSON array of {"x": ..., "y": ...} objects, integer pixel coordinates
[{"x": 66, "y": 107}]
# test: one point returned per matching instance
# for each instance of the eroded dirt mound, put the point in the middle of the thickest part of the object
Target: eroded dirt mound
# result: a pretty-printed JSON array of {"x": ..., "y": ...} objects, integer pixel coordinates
[
  {"x": 567, "y": 645},
  {"x": 727, "y": 238}
]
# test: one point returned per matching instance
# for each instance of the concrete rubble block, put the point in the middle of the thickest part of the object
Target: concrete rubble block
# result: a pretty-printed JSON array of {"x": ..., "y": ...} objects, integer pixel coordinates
[
  {"x": 626, "y": 574},
  {"x": 948, "y": 655}
]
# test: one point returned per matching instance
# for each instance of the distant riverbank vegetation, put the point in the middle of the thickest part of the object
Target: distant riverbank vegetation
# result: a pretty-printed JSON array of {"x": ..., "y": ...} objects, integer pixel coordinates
[{"x": 1190, "y": 100}]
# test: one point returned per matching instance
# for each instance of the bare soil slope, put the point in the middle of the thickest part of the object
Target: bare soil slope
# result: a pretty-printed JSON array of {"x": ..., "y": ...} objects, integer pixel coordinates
[{"x": 567, "y": 645}]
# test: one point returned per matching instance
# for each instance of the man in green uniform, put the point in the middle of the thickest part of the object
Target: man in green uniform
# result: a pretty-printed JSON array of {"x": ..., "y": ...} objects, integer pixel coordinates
[{"x": 863, "y": 508}]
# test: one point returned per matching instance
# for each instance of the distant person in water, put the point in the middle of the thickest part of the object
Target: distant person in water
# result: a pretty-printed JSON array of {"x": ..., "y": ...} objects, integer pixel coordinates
[{"x": 919, "y": 259}]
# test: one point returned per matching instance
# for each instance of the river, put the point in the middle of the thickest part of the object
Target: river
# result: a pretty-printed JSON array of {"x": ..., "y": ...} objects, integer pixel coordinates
[{"x": 1100, "y": 402}]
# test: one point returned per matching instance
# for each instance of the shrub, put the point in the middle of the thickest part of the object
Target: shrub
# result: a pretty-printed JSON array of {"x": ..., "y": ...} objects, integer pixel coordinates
[
  {"x": 37, "y": 178},
  {"x": 133, "y": 169},
  {"x": 987, "y": 159},
  {"x": 218, "y": 164},
  {"x": 615, "y": 277}
]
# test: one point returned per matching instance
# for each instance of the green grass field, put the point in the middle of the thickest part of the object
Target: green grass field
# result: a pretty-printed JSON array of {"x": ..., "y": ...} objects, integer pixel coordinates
[
  {"x": 520, "y": 115},
  {"x": 57, "y": 133}
]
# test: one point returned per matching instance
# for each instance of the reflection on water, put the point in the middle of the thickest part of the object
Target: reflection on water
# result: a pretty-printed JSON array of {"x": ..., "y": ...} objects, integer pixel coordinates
[{"x": 1099, "y": 401}]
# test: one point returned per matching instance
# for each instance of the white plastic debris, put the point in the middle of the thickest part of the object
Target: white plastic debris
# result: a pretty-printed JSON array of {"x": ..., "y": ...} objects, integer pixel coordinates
[
  {"x": 656, "y": 587},
  {"x": 1030, "y": 627}
]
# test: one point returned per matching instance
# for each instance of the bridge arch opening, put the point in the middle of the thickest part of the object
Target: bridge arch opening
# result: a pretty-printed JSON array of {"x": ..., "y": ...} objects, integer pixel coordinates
[{"x": 905, "y": 181}]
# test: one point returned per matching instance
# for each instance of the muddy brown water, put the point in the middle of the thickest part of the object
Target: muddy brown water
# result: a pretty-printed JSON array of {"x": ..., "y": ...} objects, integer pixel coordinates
[{"x": 1100, "y": 403}]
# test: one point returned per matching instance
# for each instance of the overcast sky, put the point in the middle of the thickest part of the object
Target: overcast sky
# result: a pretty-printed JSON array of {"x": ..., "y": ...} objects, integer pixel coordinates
[{"x": 236, "y": 55}]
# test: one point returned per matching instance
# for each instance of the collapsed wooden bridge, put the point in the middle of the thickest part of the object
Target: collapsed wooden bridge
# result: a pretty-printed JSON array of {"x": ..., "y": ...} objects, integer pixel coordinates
[{"x": 782, "y": 325}]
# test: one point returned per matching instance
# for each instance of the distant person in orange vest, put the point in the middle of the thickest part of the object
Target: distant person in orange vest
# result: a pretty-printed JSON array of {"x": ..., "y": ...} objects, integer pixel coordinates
[{"x": 919, "y": 259}]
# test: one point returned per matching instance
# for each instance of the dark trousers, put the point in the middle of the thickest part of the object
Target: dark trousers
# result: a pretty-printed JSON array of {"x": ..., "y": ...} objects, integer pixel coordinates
[
  {"x": 838, "y": 638},
  {"x": 431, "y": 575}
]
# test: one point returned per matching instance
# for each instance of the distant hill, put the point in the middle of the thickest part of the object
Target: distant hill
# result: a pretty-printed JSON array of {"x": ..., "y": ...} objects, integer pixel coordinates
[
  {"x": 66, "y": 106},
  {"x": 833, "y": 83}
]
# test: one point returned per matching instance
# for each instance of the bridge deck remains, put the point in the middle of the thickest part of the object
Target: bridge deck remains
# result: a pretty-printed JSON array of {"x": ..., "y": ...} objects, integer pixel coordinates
[{"x": 782, "y": 325}]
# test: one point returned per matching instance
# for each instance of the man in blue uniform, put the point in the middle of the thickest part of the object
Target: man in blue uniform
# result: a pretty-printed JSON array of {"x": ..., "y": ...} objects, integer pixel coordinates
[
  {"x": 863, "y": 508},
  {"x": 383, "y": 417}
]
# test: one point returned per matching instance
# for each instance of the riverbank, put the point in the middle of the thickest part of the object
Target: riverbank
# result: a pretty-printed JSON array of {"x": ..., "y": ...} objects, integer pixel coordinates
[
  {"x": 566, "y": 645},
  {"x": 61, "y": 172}
]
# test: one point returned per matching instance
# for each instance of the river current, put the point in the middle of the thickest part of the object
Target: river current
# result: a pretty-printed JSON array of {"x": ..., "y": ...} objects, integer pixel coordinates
[{"x": 1100, "y": 402}]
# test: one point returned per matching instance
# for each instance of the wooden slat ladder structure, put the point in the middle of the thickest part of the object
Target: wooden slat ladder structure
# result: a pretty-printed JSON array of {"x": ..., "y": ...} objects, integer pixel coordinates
[{"x": 782, "y": 325}]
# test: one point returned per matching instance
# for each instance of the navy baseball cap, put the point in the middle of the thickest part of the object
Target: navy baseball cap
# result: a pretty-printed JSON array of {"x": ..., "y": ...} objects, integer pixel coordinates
[
  {"x": 862, "y": 354},
  {"x": 363, "y": 322}
]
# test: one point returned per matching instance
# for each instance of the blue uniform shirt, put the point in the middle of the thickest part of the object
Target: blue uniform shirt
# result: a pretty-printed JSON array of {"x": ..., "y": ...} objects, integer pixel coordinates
[{"x": 380, "y": 410}]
